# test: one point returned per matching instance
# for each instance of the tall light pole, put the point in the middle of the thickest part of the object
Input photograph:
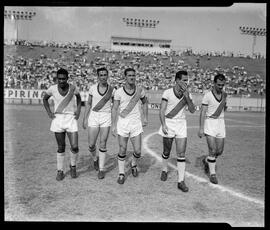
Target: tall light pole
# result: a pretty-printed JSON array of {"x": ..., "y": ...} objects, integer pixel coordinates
[
  {"x": 254, "y": 32},
  {"x": 16, "y": 15},
  {"x": 140, "y": 23}
]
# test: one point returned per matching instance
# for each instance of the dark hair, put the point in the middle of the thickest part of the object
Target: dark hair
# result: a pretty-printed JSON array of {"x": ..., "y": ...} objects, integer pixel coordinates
[
  {"x": 220, "y": 77},
  {"x": 179, "y": 74},
  {"x": 62, "y": 71},
  {"x": 102, "y": 69},
  {"x": 128, "y": 69}
]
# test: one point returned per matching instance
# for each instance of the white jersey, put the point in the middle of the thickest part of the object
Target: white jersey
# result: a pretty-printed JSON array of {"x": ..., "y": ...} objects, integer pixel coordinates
[
  {"x": 212, "y": 104},
  {"x": 124, "y": 98},
  {"x": 97, "y": 96},
  {"x": 57, "y": 99},
  {"x": 169, "y": 96}
]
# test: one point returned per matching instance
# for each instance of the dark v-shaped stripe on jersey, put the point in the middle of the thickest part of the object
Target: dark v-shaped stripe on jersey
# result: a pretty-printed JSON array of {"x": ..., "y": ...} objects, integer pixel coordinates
[
  {"x": 222, "y": 103},
  {"x": 104, "y": 99},
  {"x": 63, "y": 104},
  {"x": 178, "y": 107}
]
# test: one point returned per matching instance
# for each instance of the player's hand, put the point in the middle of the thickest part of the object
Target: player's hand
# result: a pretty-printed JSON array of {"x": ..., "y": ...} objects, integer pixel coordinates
[
  {"x": 165, "y": 129},
  {"x": 224, "y": 94},
  {"x": 114, "y": 131},
  {"x": 77, "y": 115},
  {"x": 84, "y": 124},
  {"x": 51, "y": 115},
  {"x": 145, "y": 123},
  {"x": 213, "y": 116},
  {"x": 201, "y": 133},
  {"x": 183, "y": 86}
]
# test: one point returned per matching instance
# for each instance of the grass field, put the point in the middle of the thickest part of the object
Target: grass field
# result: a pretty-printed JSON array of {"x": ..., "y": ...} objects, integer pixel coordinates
[{"x": 33, "y": 194}]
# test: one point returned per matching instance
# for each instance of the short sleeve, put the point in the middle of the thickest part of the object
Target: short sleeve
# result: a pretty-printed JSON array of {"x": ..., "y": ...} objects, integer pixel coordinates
[
  {"x": 117, "y": 95},
  {"x": 143, "y": 94},
  {"x": 165, "y": 96},
  {"x": 49, "y": 91}
]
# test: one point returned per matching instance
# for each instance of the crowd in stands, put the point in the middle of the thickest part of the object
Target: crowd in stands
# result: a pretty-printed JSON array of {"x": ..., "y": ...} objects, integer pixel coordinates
[{"x": 154, "y": 71}]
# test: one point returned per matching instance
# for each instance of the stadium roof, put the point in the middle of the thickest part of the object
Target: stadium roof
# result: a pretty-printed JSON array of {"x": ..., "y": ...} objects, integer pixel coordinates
[{"x": 141, "y": 39}]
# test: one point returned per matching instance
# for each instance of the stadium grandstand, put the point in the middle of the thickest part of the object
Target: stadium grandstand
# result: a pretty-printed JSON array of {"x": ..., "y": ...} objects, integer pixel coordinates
[
  {"x": 31, "y": 65},
  {"x": 140, "y": 44}
]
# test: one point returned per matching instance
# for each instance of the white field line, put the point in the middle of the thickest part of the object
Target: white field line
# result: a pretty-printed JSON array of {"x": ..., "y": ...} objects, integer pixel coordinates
[
  {"x": 199, "y": 179},
  {"x": 241, "y": 122}
]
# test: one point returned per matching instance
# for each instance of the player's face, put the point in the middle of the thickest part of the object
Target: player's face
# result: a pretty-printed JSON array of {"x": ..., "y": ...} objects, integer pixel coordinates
[
  {"x": 62, "y": 80},
  {"x": 185, "y": 79},
  {"x": 131, "y": 78},
  {"x": 219, "y": 85},
  {"x": 103, "y": 76}
]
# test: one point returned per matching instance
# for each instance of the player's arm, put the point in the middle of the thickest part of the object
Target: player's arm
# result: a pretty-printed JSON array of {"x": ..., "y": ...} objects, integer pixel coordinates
[
  {"x": 88, "y": 106},
  {"x": 145, "y": 110},
  {"x": 201, "y": 120},
  {"x": 191, "y": 106},
  {"x": 162, "y": 110},
  {"x": 115, "y": 107},
  {"x": 47, "y": 105},
  {"x": 79, "y": 105}
]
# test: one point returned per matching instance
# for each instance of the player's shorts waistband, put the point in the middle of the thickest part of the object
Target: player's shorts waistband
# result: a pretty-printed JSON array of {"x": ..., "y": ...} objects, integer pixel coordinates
[
  {"x": 70, "y": 113},
  {"x": 208, "y": 117}
]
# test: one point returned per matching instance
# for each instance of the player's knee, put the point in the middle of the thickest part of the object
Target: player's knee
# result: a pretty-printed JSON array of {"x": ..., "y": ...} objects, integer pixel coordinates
[
  {"x": 92, "y": 148},
  {"x": 74, "y": 149},
  {"x": 137, "y": 154},
  {"x": 61, "y": 148}
]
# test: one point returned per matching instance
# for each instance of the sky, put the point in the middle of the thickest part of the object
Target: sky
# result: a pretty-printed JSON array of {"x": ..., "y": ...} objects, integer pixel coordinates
[{"x": 201, "y": 28}]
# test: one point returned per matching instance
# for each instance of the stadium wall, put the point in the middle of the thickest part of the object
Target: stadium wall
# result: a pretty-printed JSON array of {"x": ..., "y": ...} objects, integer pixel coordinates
[{"x": 20, "y": 96}]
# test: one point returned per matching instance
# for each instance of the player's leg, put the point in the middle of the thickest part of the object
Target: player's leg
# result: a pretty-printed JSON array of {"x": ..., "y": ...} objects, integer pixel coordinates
[
  {"x": 121, "y": 158},
  {"x": 167, "y": 146},
  {"x": 211, "y": 159},
  {"x": 181, "y": 144},
  {"x": 74, "y": 152},
  {"x": 61, "y": 144},
  {"x": 92, "y": 139},
  {"x": 104, "y": 134},
  {"x": 219, "y": 146},
  {"x": 136, "y": 143}
]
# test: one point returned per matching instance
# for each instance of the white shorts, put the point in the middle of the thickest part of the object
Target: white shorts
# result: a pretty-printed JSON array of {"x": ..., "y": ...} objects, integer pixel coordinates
[
  {"x": 215, "y": 127},
  {"x": 126, "y": 127},
  {"x": 64, "y": 122},
  {"x": 99, "y": 119},
  {"x": 176, "y": 128}
]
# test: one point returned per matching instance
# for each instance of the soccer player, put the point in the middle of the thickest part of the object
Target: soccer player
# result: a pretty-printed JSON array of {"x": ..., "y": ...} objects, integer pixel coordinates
[
  {"x": 212, "y": 124},
  {"x": 67, "y": 108},
  {"x": 129, "y": 123},
  {"x": 99, "y": 119},
  {"x": 174, "y": 126}
]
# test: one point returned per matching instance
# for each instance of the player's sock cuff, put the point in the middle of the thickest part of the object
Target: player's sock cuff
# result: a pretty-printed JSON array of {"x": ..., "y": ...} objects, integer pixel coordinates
[
  {"x": 164, "y": 156},
  {"x": 181, "y": 159},
  {"x": 121, "y": 158}
]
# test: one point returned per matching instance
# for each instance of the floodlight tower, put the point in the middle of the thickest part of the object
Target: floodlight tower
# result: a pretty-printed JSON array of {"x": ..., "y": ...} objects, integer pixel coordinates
[
  {"x": 140, "y": 23},
  {"x": 254, "y": 32},
  {"x": 16, "y": 15}
]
